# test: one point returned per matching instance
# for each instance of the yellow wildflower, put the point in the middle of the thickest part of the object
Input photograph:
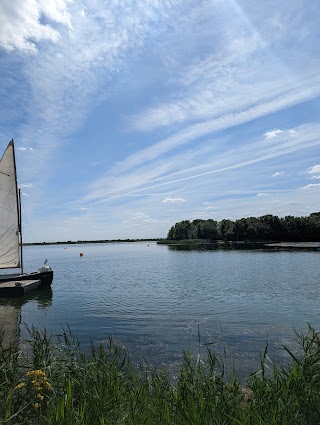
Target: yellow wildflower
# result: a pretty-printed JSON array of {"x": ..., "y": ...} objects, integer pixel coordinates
[
  {"x": 41, "y": 397},
  {"x": 35, "y": 373},
  {"x": 21, "y": 385},
  {"x": 38, "y": 379},
  {"x": 36, "y": 405}
]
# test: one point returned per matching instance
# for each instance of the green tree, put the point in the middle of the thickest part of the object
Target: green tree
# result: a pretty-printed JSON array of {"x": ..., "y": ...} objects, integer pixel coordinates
[{"x": 227, "y": 230}]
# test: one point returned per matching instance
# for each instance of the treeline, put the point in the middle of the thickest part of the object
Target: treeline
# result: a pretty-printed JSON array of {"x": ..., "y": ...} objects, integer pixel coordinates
[{"x": 265, "y": 228}]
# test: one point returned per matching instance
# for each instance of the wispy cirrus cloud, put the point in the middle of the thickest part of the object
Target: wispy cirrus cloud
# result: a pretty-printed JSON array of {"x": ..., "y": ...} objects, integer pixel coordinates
[
  {"x": 171, "y": 200},
  {"x": 217, "y": 83},
  {"x": 277, "y": 174},
  {"x": 195, "y": 131},
  {"x": 24, "y": 149},
  {"x": 86, "y": 46},
  {"x": 182, "y": 167},
  {"x": 73, "y": 220},
  {"x": 139, "y": 217}
]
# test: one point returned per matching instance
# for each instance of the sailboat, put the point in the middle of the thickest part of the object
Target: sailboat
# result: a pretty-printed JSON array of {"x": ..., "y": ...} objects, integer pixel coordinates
[{"x": 11, "y": 247}]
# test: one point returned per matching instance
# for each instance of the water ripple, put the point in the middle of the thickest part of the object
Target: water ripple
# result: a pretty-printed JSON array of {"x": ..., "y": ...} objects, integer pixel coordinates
[{"x": 152, "y": 299}]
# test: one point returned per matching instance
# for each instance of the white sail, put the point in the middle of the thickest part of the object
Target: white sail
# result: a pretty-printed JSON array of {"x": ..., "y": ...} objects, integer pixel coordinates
[{"x": 9, "y": 211}]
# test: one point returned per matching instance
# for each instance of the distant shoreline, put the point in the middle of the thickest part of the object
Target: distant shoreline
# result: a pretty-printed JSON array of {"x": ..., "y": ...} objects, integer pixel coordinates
[
  {"x": 88, "y": 242},
  {"x": 202, "y": 243}
]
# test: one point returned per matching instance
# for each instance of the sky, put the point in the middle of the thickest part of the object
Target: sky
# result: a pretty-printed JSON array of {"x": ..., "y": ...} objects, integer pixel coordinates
[{"x": 129, "y": 116}]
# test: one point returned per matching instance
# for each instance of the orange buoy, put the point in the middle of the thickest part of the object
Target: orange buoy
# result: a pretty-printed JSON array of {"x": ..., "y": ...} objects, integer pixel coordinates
[{"x": 81, "y": 254}]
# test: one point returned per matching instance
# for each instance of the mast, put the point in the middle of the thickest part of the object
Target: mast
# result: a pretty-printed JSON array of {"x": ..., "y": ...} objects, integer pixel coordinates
[
  {"x": 20, "y": 231},
  {"x": 18, "y": 196}
]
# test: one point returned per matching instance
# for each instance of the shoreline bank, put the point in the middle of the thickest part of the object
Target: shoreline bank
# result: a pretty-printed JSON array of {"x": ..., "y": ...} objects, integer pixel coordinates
[{"x": 246, "y": 245}]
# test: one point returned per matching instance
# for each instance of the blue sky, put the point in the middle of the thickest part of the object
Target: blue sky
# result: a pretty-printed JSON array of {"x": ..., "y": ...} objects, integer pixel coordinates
[{"x": 129, "y": 116}]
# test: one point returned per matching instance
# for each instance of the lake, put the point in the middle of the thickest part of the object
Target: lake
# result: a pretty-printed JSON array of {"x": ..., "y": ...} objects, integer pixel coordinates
[{"x": 153, "y": 299}]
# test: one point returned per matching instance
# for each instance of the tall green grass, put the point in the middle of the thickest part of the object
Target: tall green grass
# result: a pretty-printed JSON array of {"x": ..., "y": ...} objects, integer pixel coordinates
[{"x": 55, "y": 382}]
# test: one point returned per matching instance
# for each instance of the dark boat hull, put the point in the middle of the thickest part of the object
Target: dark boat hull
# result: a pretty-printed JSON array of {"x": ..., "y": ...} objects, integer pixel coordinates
[{"x": 45, "y": 277}]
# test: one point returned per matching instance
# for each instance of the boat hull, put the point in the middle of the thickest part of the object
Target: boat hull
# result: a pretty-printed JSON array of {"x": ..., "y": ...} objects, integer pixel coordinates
[{"x": 45, "y": 278}]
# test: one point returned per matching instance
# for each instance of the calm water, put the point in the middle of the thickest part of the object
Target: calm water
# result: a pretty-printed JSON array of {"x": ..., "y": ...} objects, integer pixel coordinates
[{"x": 151, "y": 299}]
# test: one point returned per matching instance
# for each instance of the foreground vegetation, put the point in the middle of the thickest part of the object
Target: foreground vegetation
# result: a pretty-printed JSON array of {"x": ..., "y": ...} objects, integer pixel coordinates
[
  {"x": 57, "y": 383},
  {"x": 264, "y": 228}
]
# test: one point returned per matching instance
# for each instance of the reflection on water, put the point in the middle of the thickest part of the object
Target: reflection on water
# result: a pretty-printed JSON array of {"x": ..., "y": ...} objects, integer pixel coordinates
[
  {"x": 199, "y": 247},
  {"x": 10, "y": 313},
  {"x": 43, "y": 297},
  {"x": 9, "y": 319}
]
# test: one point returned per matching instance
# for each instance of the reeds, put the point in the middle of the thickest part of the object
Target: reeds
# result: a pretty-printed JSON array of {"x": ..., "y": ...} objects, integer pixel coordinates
[{"x": 55, "y": 382}]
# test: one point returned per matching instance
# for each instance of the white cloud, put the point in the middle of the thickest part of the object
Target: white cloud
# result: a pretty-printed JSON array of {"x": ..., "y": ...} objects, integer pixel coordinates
[
  {"x": 314, "y": 170},
  {"x": 72, "y": 220},
  {"x": 311, "y": 186},
  {"x": 278, "y": 173},
  {"x": 315, "y": 177},
  {"x": 139, "y": 216},
  {"x": 272, "y": 134},
  {"x": 22, "y": 26},
  {"x": 25, "y": 185},
  {"x": 263, "y": 194},
  {"x": 292, "y": 203},
  {"x": 68, "y": 78},
  {"x": 173, "y": 200},
  {"x": 24, "y": 149}
]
